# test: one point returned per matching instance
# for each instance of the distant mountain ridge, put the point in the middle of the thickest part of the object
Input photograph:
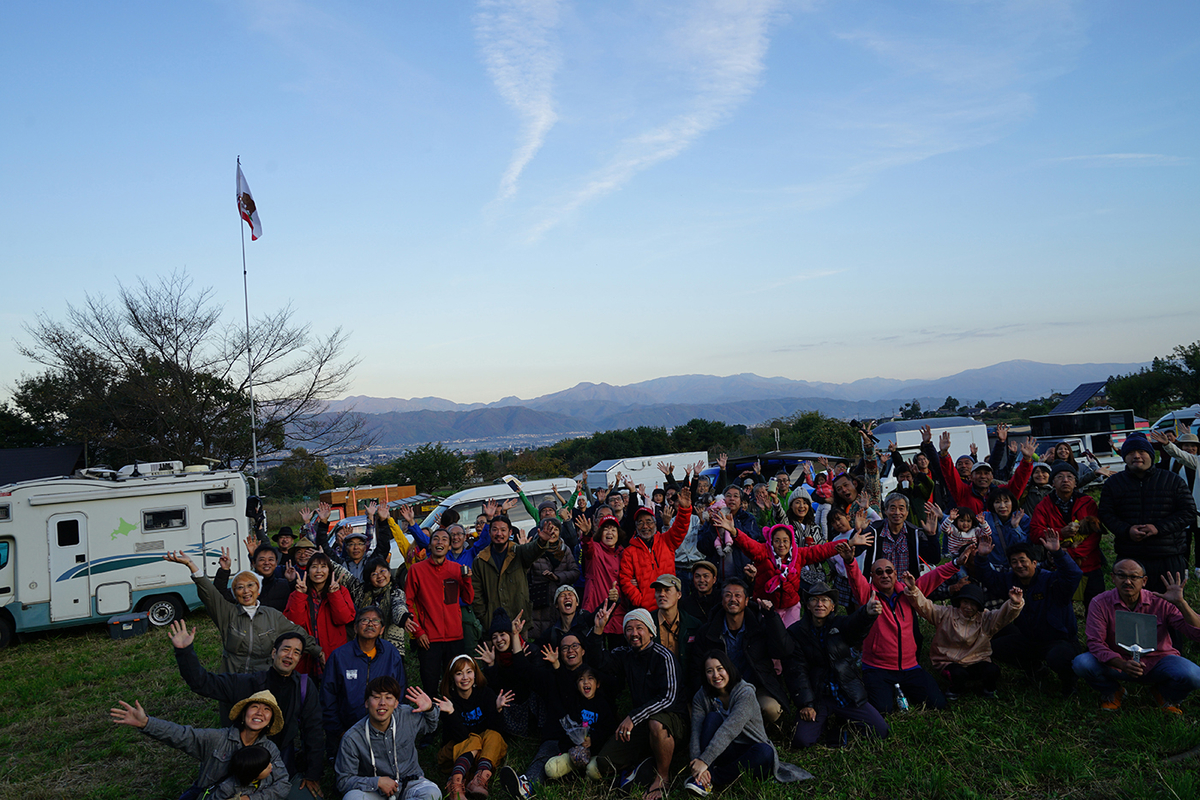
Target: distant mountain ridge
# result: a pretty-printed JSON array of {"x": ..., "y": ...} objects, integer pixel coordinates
[{"x": 737, "y": 399}]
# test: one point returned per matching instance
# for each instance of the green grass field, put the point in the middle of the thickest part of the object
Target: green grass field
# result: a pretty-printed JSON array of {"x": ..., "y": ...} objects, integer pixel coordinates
[{"x": 57, "y": 740}]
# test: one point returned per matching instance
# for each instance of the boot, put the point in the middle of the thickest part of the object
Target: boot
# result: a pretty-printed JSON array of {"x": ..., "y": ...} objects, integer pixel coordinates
[
  {"x": 559, "y": 767},
  {"x": 454, "y": 788},
  {"x": 479, "y": 783}
]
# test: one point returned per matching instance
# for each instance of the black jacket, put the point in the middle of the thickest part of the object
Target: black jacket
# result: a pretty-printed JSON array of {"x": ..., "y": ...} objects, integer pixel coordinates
[
  {"x": 1154, "y": 496},
  {"x": 822, "y": 659},
  {"x": 300, "y": 703},
  {"x": 652, "y": 674},
  {"x": 765, "y": 640}
]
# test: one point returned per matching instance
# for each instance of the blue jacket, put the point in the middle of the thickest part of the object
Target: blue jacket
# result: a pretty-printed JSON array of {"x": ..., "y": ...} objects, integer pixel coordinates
[
  {"x": 1049, "y": 613},
  {"x": 347, "y": 673}
]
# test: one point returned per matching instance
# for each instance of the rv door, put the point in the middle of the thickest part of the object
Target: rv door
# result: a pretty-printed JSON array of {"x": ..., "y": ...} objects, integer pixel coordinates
[{"x": 70, "y": 594}]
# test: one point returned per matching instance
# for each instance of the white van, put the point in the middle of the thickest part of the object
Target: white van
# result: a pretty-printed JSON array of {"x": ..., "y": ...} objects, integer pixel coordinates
[
  {"x": 1183, "y": 418},
  {"x": 642, "y": 470},
  {"x": 964, "y": 432},
  {"x": 78, "y": 550},
  {"x": 469, "y": 502}
]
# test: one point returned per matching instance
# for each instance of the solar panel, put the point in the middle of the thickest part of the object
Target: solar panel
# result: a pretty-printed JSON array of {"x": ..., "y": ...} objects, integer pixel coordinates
[{"x": 1077, "y": 398}]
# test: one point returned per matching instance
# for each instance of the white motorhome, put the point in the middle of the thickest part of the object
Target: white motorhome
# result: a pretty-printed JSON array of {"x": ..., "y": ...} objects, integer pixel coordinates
[
  {"x": 963, "y": 431},
  {"x": 78, "y": 550},
  {"x": 642, "y": 470}
]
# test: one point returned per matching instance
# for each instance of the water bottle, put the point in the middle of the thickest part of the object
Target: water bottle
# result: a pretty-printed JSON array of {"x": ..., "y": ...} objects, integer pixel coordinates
[{"x": 901, "y": 700}]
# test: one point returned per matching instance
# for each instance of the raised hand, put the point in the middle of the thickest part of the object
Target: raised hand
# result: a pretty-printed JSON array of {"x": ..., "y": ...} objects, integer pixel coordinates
[
  {"x": 1016, "y": 596},
  {"x": 1013, "y": 447},
  {"x": 179, "y": 636},
  {"x": 844, "y": 550},
  {"x": 408, "y": 515},
  {"x": 700, "y": 465},
  {"x": 127, "y": 714},
  {"x": 910, "y": 583},
  {"x": 417, "y": 698},
  {"x": 333, "y": 581},
  {"x": 683, "y": 498},
  {"x": 861, "y": 519},
  {"x": 765, "y": 604},
  {"x": 687, "y": 471},
  {"x": 583, "y": 525},
  {"x": 824, "y": 462},
  {"x": 758, "y": 466},
  {"x": 751, "y": 572},
  {"x": 509, "y": 504},
  {"x": 445, "y": 706},
  {"x": 862, "y": 538},
  {"x": 719, "y": 520},
  {"x": 490, "y": 508},
  {"x": 1159, "y": 437},
  {"x": 504, "y": 699},
  {"x": 944, "y": 441},
  {"x": 1002, "y": 432},
  {"x": 1017, "y": 516},
  {"x": 180, "y": 557},
  {"x": 874, "y": 605},
  {"x": 985, "y": 545},
  {"x": 323, "y": 511},
  {"x": 251, "y": 543},
  {"x": 518, "y": 623},
  {"x": 370, "y": 509},
  {"x": 290, "y": 573},
  {"x": 664, "y": 468},
  {"x": 301, "y": 585},
  {"x": 550, "y": 655},
  {"x": 306, "y": 514},
  {"x": 1174, "y": 583},
  {"x": 722, "y": 460},
  {"x": 1029, "y": 448},
  {"x": 521, "y": 536},
  {"x": 486, "y": 653},
  {"x": 603, "y": 613},
  {"x": 966, "y": 554},
  {"x": 1051, "y": 542},
  {"x": 225, "y": 562},
  {"x": 614, "y": 594},
  {"x": 974, "y": 450}
]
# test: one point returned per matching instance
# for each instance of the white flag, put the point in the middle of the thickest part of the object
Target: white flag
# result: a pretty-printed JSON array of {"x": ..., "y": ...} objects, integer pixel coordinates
[{"x": 246, "y": 206}]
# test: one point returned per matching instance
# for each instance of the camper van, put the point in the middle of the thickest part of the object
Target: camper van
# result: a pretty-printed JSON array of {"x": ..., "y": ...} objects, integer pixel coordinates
[
  {"x": 642, "y": 470},
  {"x": 78, "y": 550},
  {"x": 469, "y": 502},
  {"x": 963, "y": 431}
]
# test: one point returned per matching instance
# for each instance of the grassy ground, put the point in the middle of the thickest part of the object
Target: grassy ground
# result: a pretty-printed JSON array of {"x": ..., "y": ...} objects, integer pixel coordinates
[{"x": 57, "y": 741}]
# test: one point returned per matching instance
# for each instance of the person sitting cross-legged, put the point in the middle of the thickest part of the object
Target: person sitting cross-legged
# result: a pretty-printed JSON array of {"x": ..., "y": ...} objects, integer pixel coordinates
[
  {"x": 378, "y": 759},
  {"x": 1106, "y": 663}
]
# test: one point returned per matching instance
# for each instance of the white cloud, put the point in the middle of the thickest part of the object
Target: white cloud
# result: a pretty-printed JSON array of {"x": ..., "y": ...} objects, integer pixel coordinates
[
  {"x": 521, "y": 52},
  {"x": 720, "y": 48}
]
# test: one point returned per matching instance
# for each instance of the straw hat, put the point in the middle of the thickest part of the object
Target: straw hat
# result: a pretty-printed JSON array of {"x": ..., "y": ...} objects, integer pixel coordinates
[{"x": 267, "y": 699}]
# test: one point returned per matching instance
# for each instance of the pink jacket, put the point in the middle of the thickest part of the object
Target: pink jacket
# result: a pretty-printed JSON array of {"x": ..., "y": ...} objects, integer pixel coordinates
[{"x": 890, "y": 643}]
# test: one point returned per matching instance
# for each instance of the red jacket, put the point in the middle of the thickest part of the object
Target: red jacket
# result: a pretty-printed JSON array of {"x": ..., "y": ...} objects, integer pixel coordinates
[
  {"x": 788, "y": 592},
  {"x": 1085, "y": 551},
  {"x": 964, "y": 493},
  {"x": 890, "y": 643},
  {"x": 333, "y": 612},
  {"x": 643, "y": 564},
  {"x": 433, "y": 592}
]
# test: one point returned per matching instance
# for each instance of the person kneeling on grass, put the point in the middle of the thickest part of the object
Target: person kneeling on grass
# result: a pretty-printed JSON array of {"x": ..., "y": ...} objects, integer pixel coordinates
[
  {"x": 962, "y": 639},
  {"x": 728, "y": 736},
  {"x": 378, "y": 759},
  {"x": 254, "y": 719},
  {"x": 471, "y": 729}
]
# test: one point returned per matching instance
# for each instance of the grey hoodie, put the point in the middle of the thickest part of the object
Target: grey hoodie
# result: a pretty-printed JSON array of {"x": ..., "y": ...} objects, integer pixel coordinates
[{"x": 394, "y": 750}]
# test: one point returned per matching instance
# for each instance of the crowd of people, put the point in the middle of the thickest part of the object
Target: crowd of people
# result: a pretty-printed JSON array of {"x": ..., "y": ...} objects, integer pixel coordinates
[{"x": 636, "y": 635}]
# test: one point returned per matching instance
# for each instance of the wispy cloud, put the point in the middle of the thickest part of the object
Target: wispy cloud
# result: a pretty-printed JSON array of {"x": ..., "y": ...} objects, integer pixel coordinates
[
  {"x": 1125, "y": 160},
  {"x": 520, "y": 49},
  {"x": 721, "y": 48},
  {"x": 800, "y": 278}
]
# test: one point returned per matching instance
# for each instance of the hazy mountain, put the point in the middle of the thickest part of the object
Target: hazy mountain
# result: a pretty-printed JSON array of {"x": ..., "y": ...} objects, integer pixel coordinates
[{"x": 417, "y": 427}]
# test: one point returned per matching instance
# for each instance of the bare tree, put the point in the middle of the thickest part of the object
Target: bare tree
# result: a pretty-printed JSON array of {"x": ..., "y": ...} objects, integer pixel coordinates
[{"x": 158, "y": 373}]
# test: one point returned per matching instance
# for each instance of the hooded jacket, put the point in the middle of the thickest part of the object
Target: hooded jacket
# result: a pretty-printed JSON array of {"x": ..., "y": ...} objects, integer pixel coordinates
[
  {"x": 366, "y": 754},
  {"x": 642, "y": 563},
  {"x": 776, "y": 581},
  {"x": 890, "y": 643}
]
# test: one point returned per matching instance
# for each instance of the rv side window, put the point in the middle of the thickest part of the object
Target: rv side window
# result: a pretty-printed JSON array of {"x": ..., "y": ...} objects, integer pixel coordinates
[
  {"x": 68, "y": 533},
  {"x": 212, "y": 499},
  {"x": 164, "y": 520},
  {"x": 5, "y": 512},
  {"x": 3, "y": 555}
]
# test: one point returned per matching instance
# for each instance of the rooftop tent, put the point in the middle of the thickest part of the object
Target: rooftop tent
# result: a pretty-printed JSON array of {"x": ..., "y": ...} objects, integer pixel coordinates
[{"x": 32, "y": 463}]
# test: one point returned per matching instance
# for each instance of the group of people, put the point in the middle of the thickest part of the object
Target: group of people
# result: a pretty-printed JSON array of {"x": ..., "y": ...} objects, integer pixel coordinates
[{"x": 711, "y": 611}]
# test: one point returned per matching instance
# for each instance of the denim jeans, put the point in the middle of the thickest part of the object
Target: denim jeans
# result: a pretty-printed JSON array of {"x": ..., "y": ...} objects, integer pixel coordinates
[{"x": 1173, "y": 676}]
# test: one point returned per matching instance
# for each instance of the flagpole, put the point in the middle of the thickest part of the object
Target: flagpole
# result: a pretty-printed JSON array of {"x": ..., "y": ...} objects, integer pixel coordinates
[{"x": 249, "y": 359}]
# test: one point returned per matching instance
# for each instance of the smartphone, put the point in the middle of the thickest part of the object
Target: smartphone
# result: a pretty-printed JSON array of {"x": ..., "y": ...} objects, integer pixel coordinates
[
  {"x": 772, "y": 485},
  {"x": 512, "y": 482}
]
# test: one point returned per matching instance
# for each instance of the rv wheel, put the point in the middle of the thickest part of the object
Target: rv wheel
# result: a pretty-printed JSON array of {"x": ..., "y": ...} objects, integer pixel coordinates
[
  {"x": 8, "y": 631},
  {"x": 162, "y": 609}
]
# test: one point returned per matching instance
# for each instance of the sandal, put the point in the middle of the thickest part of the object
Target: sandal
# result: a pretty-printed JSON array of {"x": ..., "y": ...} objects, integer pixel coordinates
[{"x": 657, "y": 790}]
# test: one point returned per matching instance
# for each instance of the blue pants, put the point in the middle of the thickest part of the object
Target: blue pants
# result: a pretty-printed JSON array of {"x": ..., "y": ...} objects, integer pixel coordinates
[
  {"x": 1173, "y": 676},
  {"x": 917, "y": 684},
  {"x": 754, "y": 758}
]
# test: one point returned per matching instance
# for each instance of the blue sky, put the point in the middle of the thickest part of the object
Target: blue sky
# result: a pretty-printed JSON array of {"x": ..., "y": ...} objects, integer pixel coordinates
[{"x": 507, "y": 198}]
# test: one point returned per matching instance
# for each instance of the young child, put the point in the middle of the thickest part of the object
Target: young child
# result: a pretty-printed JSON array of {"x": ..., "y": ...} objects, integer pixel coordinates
[
  {"x": 962, "y": 527},
  {"x": 593, "y": 708},
  {"x": 962, "y": 639},
  {"x": 249, "y": 769},
  {"x": 379, "y": 757},
  {"x": 473, "y": 744}
]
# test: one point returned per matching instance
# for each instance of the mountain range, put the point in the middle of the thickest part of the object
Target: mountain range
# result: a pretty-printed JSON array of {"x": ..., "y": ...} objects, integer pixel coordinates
[{"x": 744, "y": 399}]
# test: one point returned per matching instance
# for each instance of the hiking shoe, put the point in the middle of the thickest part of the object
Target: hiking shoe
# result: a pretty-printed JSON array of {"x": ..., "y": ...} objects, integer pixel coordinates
[
  {"x": 989, "y": 694},
  {"x": 1166, "y": 705},
  {"x": 629, "y": 777},
  {"x": 516, "y": 785},
  {"x": 695, "y": 787},
  {"x": 1113, "y": 701},
  {"x": 951, "y": 696},
  {"x": 478, "y": 787}
]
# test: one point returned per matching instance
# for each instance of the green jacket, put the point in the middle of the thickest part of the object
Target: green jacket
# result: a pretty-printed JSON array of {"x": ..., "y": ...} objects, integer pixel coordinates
[
  {"x": 246, "y": 641},
  {"x": 505, "y": 586}
]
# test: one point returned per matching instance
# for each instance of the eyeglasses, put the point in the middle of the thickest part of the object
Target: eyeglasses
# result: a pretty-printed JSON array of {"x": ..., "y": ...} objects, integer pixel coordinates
[
  {"x": 572, "y": 647},
  {"x": 1124, "y": 576},
  {"x": 370, "y": 623},
  {"x": 883, "y": 571}
]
